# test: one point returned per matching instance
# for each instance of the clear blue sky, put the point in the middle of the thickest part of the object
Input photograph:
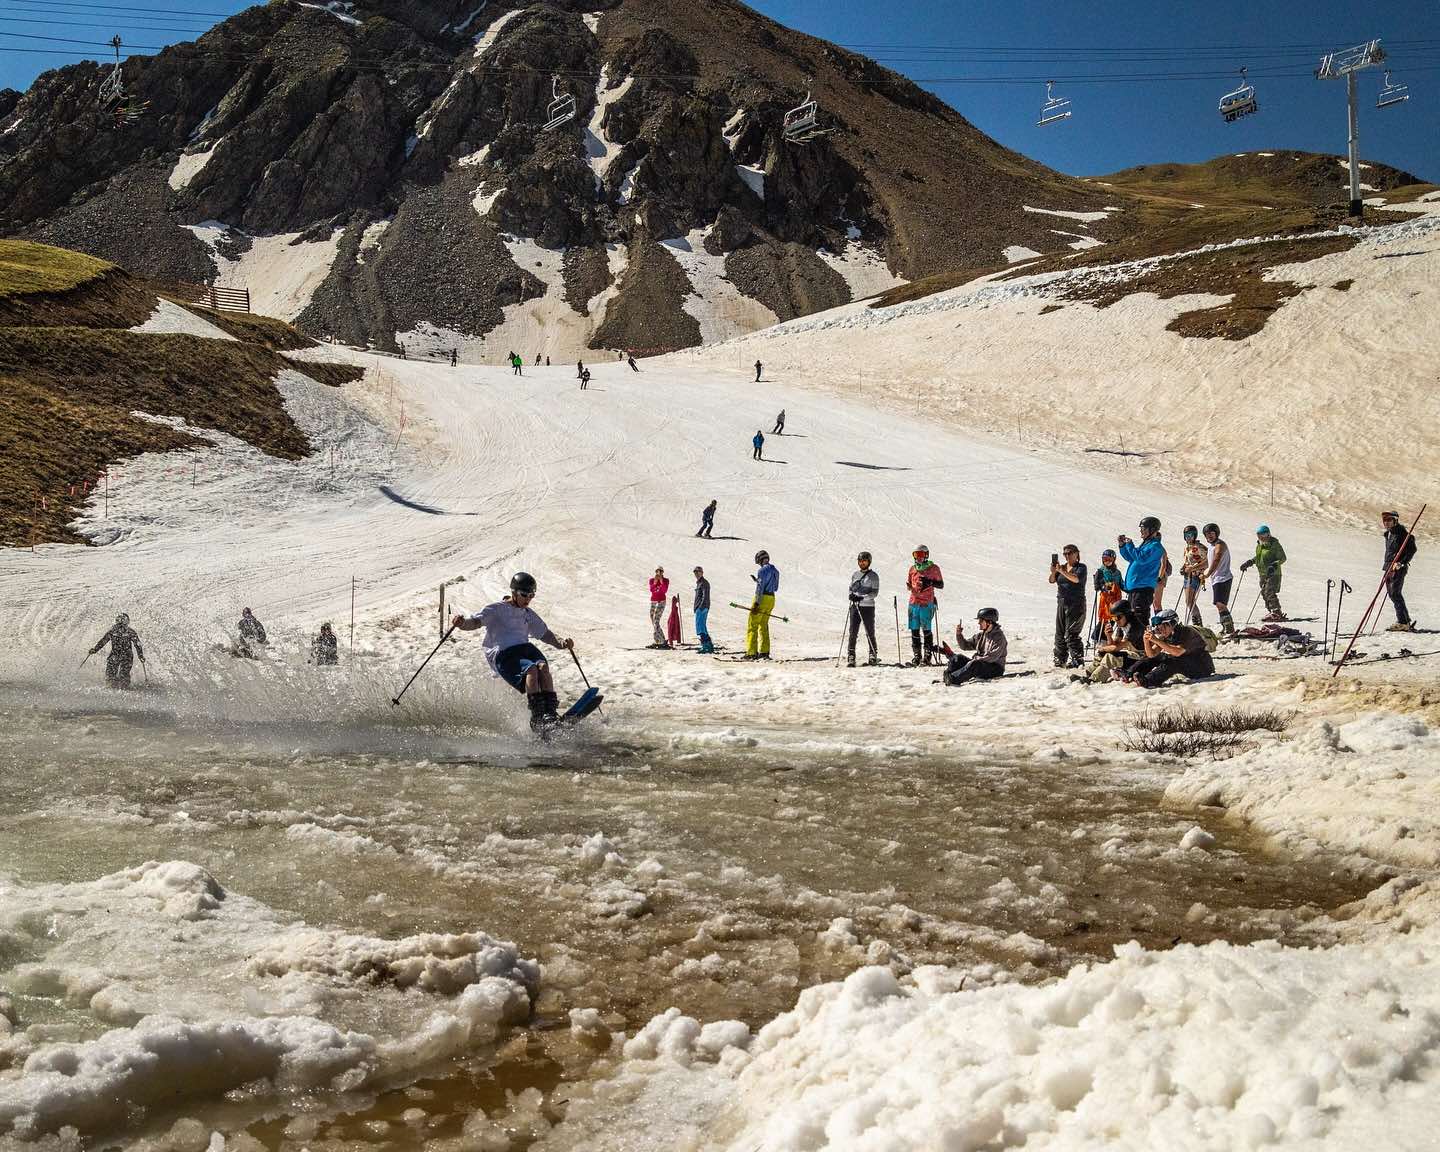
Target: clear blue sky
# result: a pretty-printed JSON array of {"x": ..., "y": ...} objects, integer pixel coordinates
[{"x": 1080, "y": 43}]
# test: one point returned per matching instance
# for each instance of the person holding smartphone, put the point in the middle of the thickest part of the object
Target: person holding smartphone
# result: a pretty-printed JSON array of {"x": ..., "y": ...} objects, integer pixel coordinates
[{"x": 1069, "y": 581}]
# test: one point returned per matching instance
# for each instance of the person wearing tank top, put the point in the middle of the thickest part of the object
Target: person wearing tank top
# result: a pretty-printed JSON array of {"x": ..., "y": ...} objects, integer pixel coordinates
[{"x": 1222, "y": 580}]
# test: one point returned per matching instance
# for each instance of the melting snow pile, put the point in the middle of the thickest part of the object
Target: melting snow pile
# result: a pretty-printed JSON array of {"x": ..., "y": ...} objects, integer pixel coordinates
[{"x": 173, "y": 988}]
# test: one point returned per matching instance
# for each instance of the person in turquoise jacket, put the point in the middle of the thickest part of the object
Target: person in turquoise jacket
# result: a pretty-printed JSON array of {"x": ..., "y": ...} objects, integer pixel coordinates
[
  {"x": 1142, "y": 570},
  {"x": 1269, "y": 557}
]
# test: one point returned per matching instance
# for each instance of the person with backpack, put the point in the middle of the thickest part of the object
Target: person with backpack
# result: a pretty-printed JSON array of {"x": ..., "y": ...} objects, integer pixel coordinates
[
  {"x": 864, "y": 587},
  {"x": 1069, "y": 581},
  {"x": 707, "y": 519},
  {"x": 1143, "y": 564},
  {"x": 1399, "y": 552},
  {"x": 1109, "y": 591},
  {"x": 990, "y": 648},
  {"x": 1222, "y": 580},
  {"x": 1122, "y": 644},
  {"x": 1269, "y": 557},
  {"x": 758, "y": 443},
  {"x": 1171, "y": 649},
  {"x": 924, "y": 579},
  {"x": 700, "y": 605},
  {"x": 757, "y": 629},
  {"x": 1193, "y": 568},
  {"x": 659, "y": 590}
]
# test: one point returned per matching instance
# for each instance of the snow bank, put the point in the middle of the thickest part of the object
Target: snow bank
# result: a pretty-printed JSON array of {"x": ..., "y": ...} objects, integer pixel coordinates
[
  {"x": 190, "y": 165},
  {"x": 281, "y": 273},
  {"x": 1084, "y": 217},
  {"x": 487, "y": 39},
  {"x": 864, "y": 269},
  {"x": 170, "y": 317},
  {"x": 722, "y": 310},
  {"x": 1214, "y": 1047},
  {"x": 599, "y": 149},
  {"x": 1014, "y": 253},
  {"x": 198, "y": 991}
]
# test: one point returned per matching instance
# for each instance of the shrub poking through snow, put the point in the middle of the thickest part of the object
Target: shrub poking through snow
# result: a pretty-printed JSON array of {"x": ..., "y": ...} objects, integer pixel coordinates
[
  {"x": 1213, "y": 720},
  {"x": 1182, "y": 744}
]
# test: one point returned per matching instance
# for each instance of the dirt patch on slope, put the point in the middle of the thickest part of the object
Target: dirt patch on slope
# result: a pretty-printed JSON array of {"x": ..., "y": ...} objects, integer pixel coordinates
[
  {"x": 789, "y": 279},
  {"x": 646, "y": 317}
]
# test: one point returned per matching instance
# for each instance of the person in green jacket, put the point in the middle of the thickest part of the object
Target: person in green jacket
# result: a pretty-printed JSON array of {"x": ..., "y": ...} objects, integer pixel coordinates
[{"x": 1269, "y": 557}]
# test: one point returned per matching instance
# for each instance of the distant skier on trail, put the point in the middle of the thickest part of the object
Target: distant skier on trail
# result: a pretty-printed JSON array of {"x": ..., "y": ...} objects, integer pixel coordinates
[
  {"x": 1194, "y": 566},
  {"x": 707, "y": 520},
  {"x": 924, "y": 579},
  {"x": 1143, "y": 563},
  {"x": 1269, "y": 557},
  {"x": 1069, "y": 580},
  {"x": 758, "y": 443},
  {"x": 454, "y": 357},
  {"x": 510, "y": 624},
  {"x": 864, "y": 587},
  {"x": 1221, "y": 578},
  {"x": 125, "y": 646},
  {"x": 779, "y": 429},
  {"x": 631, "y": 361},
  {"x": 659, "y": 590},
  {"x": 758, "y": 367},
  {"x": 517, "y": 366},
  {"x": 1399, "y": 550},
  {"x": 325, "y": 649},
  {"x": 990, "y": 648},
  {"x": 700, "y": 605},
  {"x": 584, "y": 379},
  {"x": 757, "y": 629}
]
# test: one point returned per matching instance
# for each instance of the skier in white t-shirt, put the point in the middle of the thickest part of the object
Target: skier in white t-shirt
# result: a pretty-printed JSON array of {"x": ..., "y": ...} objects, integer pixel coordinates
[{"x": 510, "y": 625}]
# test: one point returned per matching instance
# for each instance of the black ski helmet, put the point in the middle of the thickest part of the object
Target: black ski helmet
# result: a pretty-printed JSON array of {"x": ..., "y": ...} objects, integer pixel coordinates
[
  {"x": 989, "y": 614},
  {"x": 1211, "y": 528},
  {"x": 1150, "y": 524},
  {"x": 762, "y": 557},
  {"x": 123, "y": 619},
  {"x": 862, "y": 556},
  {"x": 523, "y": 583}
]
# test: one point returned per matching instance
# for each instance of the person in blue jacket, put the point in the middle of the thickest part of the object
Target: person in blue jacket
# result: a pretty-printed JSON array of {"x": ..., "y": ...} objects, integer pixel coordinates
[{"x": 1143, "y": 563}]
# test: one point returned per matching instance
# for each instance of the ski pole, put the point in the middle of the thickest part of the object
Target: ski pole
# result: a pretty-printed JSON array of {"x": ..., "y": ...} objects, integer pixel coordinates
[
  {"x": 1339, "y": 605},
  {"x": 1384, "y": 580},
  {"x": 146, "y": 668},
  {"x": 768, "y": 615},
  {"x": 935, "y": 628},
  {"x": 87, "y": 658},
  {"x": 396, "y": 700},
  {"x": 1325, "y": 636},
  {"x": 899, "y": 655},
  {"x": 1379, "y": 613},
  {"x": 1253, "y": 606},
  {"x": 1090, "y": 624},
  {"x": 844, "y": 635}
]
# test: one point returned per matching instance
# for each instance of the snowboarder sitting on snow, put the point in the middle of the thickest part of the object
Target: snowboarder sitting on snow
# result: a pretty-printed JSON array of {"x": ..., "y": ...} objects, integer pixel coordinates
[
  {"x": 1269, "y": 556},
  {"x": 864, "y": 587},
  {"x": 779, "y": 424},
  {"x": 125, "y": 645},
  {"x": 990, "y": 648},
  {"x": 252, "y": 632},
  {"x": 923, "y": 579},
  {"x": 707, "y": 519},
  {"x": 701, "y": 607},
  {"x": 757, "y": 629},
  {"x": 1399, "y": 551},
  {"x": 325, "y": 649},
  {"x": 510, "y": 624},
  {"x": 1171, "y": 649},
  {"x": 1118, "y": 651}
]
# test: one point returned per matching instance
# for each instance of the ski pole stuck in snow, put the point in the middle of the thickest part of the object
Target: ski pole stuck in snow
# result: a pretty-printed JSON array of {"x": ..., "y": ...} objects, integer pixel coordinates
[
  {"x": 748, "y": 608},
  {"x": 396, "y": 700}
]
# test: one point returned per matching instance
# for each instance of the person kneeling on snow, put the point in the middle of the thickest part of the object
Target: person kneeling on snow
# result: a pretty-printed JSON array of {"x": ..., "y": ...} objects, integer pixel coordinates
[
  {"x": 990, "y": 648},
  {"x": 1171, "y": 649},
  {"x": 1119, "y": 650},
  {"x": 510, "y": 624}
]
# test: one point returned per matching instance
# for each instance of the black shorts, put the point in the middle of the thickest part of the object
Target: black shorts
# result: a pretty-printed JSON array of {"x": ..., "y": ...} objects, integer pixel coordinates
[{"x": 1220, "y": 593}]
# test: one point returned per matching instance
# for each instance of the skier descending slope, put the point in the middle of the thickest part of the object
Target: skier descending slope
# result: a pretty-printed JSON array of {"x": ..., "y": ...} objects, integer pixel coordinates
[
  {"x": 923, "y": 579},
  {"x": 122, "y": 639},
  {"x": 510, "y": 624}
]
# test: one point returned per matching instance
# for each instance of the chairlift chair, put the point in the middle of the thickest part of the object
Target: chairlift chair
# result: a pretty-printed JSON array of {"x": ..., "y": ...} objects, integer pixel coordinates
[
  {"x": 561, "y": 109},
  {"x": 112, "y": 88},
  {"x": 1055, "y": 108},
  {"x": 802, "y": 122},
  {"x": 1392, "y": 94},
  {"x": 1240, "y": 102}
]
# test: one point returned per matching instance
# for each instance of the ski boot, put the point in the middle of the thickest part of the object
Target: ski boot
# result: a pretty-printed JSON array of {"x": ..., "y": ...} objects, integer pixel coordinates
[
  {"x": 1408, "y": 626},
  {"x": 543, "y": 713},
  {"x": 873, "y": 661},
  {"x": 915, "y": 661}
]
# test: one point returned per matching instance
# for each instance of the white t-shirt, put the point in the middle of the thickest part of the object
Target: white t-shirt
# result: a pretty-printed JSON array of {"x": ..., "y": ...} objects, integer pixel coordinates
[
  {"x": 507, "y": 625},
  {"x": 1222, "y": 573}
]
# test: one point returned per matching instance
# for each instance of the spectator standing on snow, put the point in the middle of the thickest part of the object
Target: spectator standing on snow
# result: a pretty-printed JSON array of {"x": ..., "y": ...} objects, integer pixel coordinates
[
  {"x": 1171, "y": 649},
  {"x": 659, "y": 589},
  {"x": 779, "y": 429},
  {"x": 579, "y": 369},
  {"x": 1109, "y": 591},
  {"x": 757, "y": 371},
  {"x": 325, "y": 648},
  {"x": 990, "y": 648},
  {"x": 701, "y": 607},
  {"x": 1221, "y": 578},
  {"x": 1122, "y": 645},
  {"x": 547, "y": 361},
  {"x": 537, "y": 359},
  {"x": 758, "y": 442},
  {"x": 673, "y": 636},
  {"x": 1069, "y": 580},
  {"x": 125, "y": 645},
  {"x": 1399, "y": 551},
  {"x": 1143, "y": 564},
  {"x": 1194, "y": 566},
  {"x": 402, "y": 352},
  {"x": 454, "y": 357},
  {"x": 584, "y": 379},
  {"x": 864, "y": 587},
  {"x": 1269, "y": 558},
  {"x": 923, "y": 580},
  {"x": 757, "y": 630},
  {"x": 707, "y": 520}
]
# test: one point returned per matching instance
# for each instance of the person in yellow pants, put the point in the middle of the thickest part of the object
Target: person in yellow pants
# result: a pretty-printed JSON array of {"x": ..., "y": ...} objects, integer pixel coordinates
[{"x": 757, "y": 631}]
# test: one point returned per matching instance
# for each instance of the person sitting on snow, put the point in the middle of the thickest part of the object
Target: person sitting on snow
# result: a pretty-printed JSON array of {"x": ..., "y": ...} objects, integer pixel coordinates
[
  {"x": 990, "y": 648},
  {"x": 1171, "y": 649},
  {"x": 1121, "y": 647}
]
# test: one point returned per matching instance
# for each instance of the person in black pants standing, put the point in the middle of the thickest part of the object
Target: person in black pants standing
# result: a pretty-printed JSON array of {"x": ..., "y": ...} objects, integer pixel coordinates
[
  {"x": 864, "y": 587},
  {"x": 1069, "y": 581},
  {"x": 1399, "y": 550},
  {"x": 707, "y": 519},
  {"x": 758, "y": 366}
]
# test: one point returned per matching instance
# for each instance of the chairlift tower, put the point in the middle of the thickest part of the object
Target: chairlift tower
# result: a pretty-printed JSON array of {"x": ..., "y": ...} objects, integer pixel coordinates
[{"x": 1346, "y": 64}]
